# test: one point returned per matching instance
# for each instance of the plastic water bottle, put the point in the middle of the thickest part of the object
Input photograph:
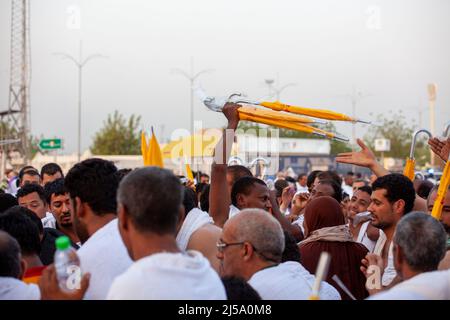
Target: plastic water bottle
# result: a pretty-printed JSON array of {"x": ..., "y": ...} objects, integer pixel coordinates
[{"x": 67, "y": 265}]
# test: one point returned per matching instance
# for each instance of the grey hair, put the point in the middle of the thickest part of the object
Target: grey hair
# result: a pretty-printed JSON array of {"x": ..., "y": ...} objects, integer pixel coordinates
[
  {"x": 422, "y": 240},
  {"x": 263, "y": 231}
]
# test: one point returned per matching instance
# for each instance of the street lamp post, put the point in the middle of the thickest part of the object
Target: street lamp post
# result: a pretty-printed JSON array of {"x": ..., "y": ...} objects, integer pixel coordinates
[
  {"x": 80, "y": 63},
  {"x": 192, "y": 76},
  {"x": 277, "y": 90}
]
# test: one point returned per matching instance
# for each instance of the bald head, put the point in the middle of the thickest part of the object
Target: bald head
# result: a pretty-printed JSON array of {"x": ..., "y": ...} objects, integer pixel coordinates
[
  {"x": 9, "y": 256},
  {"x": 259, "y": 228}
]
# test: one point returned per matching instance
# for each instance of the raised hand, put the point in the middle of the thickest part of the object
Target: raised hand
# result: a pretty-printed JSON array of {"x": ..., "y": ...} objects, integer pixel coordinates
[
  {"x": 50, "y": 290},
  {"x": 440, "y": 148},
  {"x": 363, "y": 158}
]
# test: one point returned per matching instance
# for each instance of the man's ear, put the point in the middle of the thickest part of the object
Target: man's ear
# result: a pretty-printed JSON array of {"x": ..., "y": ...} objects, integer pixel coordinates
[
  {"x": 80, "y": 209},
  {"x": 23, "y": 268},
  {"x": 247, "y": 251},
  {"x": 240, "y": 200},
  {"x": 124, "y": 222},
  {"x": 399, "y": 207}
]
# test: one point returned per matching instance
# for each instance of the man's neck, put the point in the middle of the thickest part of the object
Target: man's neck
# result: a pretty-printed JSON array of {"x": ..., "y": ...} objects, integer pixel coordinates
[
  {"x": 408, "y": 273},
  {"x": 257, "y": 266},
  {"x": 144, "y": 245},
  {"x": 99, "y": 222},
  {"x": 68, "y": 231},
  {"x": 389, "y": 232}
]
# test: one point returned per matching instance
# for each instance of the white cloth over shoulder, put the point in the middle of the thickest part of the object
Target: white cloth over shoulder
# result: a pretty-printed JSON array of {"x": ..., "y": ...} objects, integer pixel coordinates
[
  {"x": 169, "y": 276},
  {"x": 105, "y": 257},
  {"x": 194, "y": 220},
  {"x": 389, "y": 272},
  {"x": 425, "y": 286},
  {"x": 364, "y": 239},
  {"x": 49, "y": 221},
  {"x": 289, "y": 281},
  {"x": 14, "y": 289},
  {"x": 233, "y": 211}
]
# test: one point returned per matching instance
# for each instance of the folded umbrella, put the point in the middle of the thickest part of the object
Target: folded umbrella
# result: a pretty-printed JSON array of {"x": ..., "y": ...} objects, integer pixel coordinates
[{"x": 410, "y": 165}]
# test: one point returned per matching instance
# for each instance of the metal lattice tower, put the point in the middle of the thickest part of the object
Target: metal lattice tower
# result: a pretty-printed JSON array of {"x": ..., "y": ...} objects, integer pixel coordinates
[{"x": 17, "y": 117}]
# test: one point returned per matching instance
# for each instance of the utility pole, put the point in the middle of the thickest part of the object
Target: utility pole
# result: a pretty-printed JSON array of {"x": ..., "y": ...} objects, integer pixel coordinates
[{"x": 79, "y": 63}]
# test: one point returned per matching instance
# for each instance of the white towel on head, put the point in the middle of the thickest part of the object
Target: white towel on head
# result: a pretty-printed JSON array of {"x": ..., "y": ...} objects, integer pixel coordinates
[{"x": 194, "y": 220}]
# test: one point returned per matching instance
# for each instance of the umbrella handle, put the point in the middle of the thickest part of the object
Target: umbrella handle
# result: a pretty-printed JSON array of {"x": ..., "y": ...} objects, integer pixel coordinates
[
  {"x": 414, "y": 138},
  {"x": 447, "y": 129}
]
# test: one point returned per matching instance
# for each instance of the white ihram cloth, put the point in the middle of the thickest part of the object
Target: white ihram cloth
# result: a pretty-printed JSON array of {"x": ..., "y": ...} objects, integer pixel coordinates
[
  {"x": 425, "y": 286},
  {"x": 105, "y": 257},
  {"x": 289, "y": 281},
  {"x": 233, "y": 211},
  {"x": 194, "y": 220},
  {"x": 169, "y": 276},
  {"x": 389, "y": 272},
  {"x": 364, "y": 239},
  {"x": 49, "y": 221},
  {"x": 14, "y": 289}
]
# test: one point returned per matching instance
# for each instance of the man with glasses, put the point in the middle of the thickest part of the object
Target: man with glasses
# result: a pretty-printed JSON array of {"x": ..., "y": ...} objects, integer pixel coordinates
[{"x": 251, "y": 247}]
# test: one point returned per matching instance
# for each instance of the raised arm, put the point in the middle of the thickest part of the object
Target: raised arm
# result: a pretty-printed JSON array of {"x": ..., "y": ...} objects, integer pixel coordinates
[
  {"x": 363, "y": 158},
  {"x": 219, "y": 197}
]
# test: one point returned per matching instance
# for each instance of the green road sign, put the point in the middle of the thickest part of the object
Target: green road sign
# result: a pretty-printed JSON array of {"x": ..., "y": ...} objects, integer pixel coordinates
[{"x": 50, "y": 144}]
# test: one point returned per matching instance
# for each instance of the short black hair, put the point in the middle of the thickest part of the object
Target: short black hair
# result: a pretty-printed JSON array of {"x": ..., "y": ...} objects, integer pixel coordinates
[
  {"x": 239, "y": 289},
  {"x": 280, "y": 185},
  {"x": 95, "y": 182},
  {"x": 311, "y": 178},
  {"x": 290, "y": 179},
  {"x": 18, "y": 224},
  {"x": 56, "y": 188},
  {"x": 238, "y": 171},
  {"x": 204, "y": 198},
  {"x": 7, "y": 201},
  {"x": 291, "y": 251},
  {"x": 9, "y": 256},
  {"x": 51, "y": 169},
  {"x": 27, "y": 170},
  {"x": 204, "y": 175},
  {"x": 244, "y": 186},
  {"x": 424, "y": 188},
  {"x": 350, "y": 173},
  {"x": 122, "y": 173},
  {"x": 398, "y": 187},
  {"x": 366, "y": 189},
  {"x": 301, "y": 175},
  {"x": 330, "y": 175},
  {"x": 189, "y": 199},
  {"x": 152, "y": 197},
  {"x": 29, "y": 189},
  {"x": 336, "y": 188}
]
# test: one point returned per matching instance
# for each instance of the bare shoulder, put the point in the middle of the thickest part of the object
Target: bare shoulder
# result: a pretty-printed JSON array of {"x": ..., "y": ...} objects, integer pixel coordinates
[
  {"x": 207, "y": 235},
  {"x": 372, "y": 232}
]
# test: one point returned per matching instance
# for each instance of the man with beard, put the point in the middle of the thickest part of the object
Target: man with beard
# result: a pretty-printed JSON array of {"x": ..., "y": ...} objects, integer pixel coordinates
[
  {"x": 92, "y": 185},
  {"x": 445, "y": 221},
  {"x": 392, "y": 197},
  {"x": 59, "y": 204}
]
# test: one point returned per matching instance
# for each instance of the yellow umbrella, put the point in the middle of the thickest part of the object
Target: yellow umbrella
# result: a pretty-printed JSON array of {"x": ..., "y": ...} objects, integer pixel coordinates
[
  {"x": 154, "y": 154},
  {"x": 144, "y": 148},
  {"x": 316, "y": 113},
  {"x": 292, "y": 126},
  {"x": 269, "y": 114},
  {"x": 411, "y": 162},
  {"x": 442, "y": 191}
]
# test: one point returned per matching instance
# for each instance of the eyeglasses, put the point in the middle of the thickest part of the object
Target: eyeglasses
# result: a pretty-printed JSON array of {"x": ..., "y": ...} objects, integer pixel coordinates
[{"x": 222, "y": 245}]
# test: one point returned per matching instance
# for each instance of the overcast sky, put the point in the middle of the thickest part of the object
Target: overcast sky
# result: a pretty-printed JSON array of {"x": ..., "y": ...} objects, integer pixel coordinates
[{"x": 390, "y": 50}]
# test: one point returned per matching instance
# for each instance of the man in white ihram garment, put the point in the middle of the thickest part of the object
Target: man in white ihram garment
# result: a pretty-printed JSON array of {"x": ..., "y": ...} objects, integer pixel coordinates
[
  {"x": 251, "y": 247},
  {"x": 419, "y": 246}
]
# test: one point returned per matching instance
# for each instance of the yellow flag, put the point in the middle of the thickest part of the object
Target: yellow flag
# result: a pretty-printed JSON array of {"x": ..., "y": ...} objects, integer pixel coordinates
[
  {"x": 154, "y": 153},
  {"x": 144, "y": 148},
  {"x": 189, "y": 173}
]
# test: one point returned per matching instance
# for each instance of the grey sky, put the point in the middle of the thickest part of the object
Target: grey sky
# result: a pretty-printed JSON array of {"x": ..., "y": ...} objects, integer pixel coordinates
[{"x": 388, "y": 49}]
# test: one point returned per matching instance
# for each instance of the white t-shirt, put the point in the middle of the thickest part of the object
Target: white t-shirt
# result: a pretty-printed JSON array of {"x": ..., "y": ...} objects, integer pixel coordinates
[
  {"x": 425, "y": 286},
  {"x": 289, "y": 281},
  {"x": 14, "y": 289},
  {"x": 169, "y": 276},
  {"x": 301, "y": 189},
  {"x": 105, "y": 257},
  {"x": 347, "y": 189}
]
